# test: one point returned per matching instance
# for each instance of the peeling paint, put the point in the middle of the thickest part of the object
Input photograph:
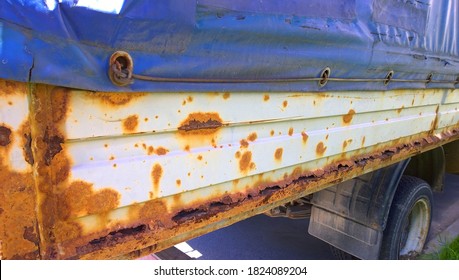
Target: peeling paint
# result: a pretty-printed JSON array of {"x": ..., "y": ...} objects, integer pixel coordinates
[
  {"x": 170, "y": 163},
  {"x": 5, "y": 134},
  {"x": 201, "y": 123}
]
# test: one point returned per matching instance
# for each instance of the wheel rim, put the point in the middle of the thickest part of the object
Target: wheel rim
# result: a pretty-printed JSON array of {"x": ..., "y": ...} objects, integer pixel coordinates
[{"x": 415, "y": 229}]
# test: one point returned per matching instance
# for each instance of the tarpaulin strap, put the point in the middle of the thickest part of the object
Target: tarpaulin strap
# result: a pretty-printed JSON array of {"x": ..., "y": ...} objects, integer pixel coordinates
[{"x": 121, "y": 74}]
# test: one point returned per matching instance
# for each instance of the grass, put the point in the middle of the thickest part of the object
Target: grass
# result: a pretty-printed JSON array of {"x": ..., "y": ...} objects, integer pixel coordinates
[{"x": 450, "y": 251}]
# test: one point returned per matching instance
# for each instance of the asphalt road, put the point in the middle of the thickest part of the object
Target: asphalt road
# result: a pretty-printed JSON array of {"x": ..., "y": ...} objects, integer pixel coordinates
[{"x": 265, "y": 238}]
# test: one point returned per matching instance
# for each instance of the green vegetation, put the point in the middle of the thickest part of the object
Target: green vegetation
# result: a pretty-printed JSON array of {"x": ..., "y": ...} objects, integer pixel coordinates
[{"x": 450, "y": 251}]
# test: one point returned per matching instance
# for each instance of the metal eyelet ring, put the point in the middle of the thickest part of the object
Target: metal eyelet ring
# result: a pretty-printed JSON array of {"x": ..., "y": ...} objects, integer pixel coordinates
[
  {"x": 388, "y": 78},
  {"x": 324, "y": 76},
  {"x": 120, "y": 68},
  {"x": 429, "y": 78}
]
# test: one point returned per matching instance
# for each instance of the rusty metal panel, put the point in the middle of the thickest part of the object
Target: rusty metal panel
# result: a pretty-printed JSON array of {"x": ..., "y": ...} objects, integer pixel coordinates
[
  {"x": 124, "y": 172},
  {"x": 18, "y": 225}
]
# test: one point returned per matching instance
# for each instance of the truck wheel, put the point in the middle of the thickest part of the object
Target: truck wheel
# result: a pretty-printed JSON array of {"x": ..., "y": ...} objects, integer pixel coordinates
[{"x": 409, "y": 220}]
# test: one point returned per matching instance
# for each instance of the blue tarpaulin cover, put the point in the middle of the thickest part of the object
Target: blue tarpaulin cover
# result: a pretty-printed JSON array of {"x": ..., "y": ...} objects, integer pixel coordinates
[{"x": 69, "y": 43}]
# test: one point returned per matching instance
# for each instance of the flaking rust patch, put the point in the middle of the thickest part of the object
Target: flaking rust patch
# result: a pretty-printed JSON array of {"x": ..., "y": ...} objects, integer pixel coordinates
[
  {"x": 201, "y": 123},
  {"x": 5, "y": 134},
  {"x": 18, "y": 222},
  {"x": 80, "y": 199}
]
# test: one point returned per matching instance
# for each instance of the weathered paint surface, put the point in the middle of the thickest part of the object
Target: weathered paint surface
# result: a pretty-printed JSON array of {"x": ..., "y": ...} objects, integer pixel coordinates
[
  {"x": 18, "y": 224},
  {"x": 124, "y": 172}
]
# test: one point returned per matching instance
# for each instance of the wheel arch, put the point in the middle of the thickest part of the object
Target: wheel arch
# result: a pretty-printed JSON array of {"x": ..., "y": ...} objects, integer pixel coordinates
[{"x": 429, "y": 166}]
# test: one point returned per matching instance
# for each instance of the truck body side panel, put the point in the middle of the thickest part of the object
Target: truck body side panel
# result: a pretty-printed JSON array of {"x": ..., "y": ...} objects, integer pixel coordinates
[{"x": 124, "y": 174}]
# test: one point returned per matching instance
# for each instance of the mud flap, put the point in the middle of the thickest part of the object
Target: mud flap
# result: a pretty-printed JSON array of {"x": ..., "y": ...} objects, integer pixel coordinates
[{"x": 352, "y": 215}]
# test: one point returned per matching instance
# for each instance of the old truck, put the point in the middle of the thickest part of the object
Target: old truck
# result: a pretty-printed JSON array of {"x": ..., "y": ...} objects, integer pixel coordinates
[{"x": 129, "y": 126}]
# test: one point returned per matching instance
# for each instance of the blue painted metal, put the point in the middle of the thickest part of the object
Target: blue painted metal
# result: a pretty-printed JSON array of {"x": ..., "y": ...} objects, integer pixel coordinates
[{"x": 69, "y": 42}]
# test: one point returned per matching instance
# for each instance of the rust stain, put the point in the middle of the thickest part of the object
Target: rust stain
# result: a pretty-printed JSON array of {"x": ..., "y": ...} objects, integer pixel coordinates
[
  {"x": 103, "y": 201},
  {"x": 320, "y": 149},
  {"x": 245, "y": 163},
  {"x": 80, "y": 199},
  {"x": 157, "y": 231},
  {"x": 201, "y": 123},
  {"x": 226, "y": 95},
  {"x": 12, "y": 88},
  {"x": 363, "y": 141},
  {"x": 347, "y": 119},
  {"x": 399, "y": 110},
  {"x": 18, "y": 222},
  {"x": 189, "y": 99},
  {"x": 54, "y": 147},
  {"x": 60, "y": 102},
  {"x": 272, "y": 133},
  {"x": 156, "y": 174},
  {"x": 252, "y": 137},
  {"x": 266, "y": 97},
  {"x": 290, "y": 131},
  {"x": 114, "y": 98},
  {"x": 237, "y": 154},
  {"x": 25, "y": 132},
  {"x": 145, "y": 120},
  {"x": 244, "y": 143},
  {"x": 285, "y": 103},
  {"x": 111, "y": 158},
  {"x": 305, "y": 137},
  {"x": 5, "y": 134},
  {"x": 187, "y": 148},
  {"x": 49, "y": 110},
  {"x": 130, "y": 123},
  {"x": 345, "y": 143},
  {"x": 434, "y": 123},
  {"x": 160, "y": 151},
  {"x": 278, "y": 154},
  {"x": 199, "y": 157},
  {"x": 326, "y": 137}
]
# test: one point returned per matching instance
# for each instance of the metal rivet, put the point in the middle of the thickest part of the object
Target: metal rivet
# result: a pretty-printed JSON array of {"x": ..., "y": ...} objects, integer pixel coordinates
[
  {"x": 120, "y": 68},
  {"x": 388, "y": 78},
  {"x": 325, "y": 75}
]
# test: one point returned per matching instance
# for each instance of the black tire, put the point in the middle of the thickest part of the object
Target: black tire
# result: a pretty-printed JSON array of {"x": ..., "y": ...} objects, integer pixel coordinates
[{"x": 409, "y": 220}]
